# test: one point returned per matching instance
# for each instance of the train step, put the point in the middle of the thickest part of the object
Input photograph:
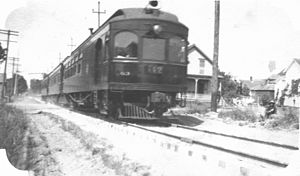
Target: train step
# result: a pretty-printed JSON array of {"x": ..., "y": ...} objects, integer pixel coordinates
[{"x": 132, "y": 111}]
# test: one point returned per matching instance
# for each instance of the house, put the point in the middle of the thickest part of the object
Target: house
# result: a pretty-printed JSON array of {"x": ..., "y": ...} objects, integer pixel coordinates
[
  {"x": 261, "y": 90},
  {"x": 287, "y": 84},
  {"x": 263, "y": 93},
  {"x": 283, "y": 87},
  {"x": 199, "y": 74}
]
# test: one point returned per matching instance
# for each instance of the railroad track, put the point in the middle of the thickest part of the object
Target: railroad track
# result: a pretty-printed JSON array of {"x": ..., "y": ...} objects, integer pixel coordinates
[
  {"x": 286, "y": 146},
  {"x": 277, "y": 152},
  {"x": 277, "y": 157},
  {"x": 156, "y": 127}
]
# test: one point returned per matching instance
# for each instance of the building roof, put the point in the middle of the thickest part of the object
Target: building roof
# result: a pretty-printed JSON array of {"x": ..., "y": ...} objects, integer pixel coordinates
[
  {"x": 266, "y": 87},
  {"x": 283, "y": 72},
  {"x": 193, "y": 47},
  {"x": 274, "y": 76},
  {"x": 297, "y": 60},
  {"x": 254, "y": 83}
]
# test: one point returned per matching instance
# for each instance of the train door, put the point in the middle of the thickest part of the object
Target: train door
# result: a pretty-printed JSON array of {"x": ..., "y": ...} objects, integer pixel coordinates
[
  {"x": 115, "y": 104},
  {"x": 98, "y": 60}
]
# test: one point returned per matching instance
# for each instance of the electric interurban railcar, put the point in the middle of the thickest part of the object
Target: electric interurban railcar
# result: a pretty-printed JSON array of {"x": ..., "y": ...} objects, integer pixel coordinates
[{"x": 131, "y": 66}]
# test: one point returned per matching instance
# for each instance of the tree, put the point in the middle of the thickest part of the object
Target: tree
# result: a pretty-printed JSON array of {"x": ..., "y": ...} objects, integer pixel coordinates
[
  {"x": 21, "y": 84},
  {"x": 35, "y": 85},
  {"x": 231, "y": 88},
  {"x": 245, "y": 90}
]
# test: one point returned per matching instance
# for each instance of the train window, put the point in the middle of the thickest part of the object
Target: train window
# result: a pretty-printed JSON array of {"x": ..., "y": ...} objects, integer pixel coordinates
[
  {"x": 106, "y": 50},
  {"x": 177, "y": 49},
  {"x": 154, "y": 49},
  {"x": 126, "y": 45},
  {"x": 78, "y": 67}
]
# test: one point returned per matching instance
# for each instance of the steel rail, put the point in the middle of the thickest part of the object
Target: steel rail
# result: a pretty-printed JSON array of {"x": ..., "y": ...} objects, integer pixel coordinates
[
  {"x": 239, "y": 137},
  {"x": 184, "y": 139}
]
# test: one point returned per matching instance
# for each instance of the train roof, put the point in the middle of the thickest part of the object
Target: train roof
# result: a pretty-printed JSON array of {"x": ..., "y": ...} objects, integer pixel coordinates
[
  {"x": 142, "y": 13},
  {"x": 130, "y": 13}
]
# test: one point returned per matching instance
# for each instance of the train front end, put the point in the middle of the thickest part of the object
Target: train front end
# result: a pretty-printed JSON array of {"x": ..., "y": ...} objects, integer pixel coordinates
[{"x": 149, "y": 61}]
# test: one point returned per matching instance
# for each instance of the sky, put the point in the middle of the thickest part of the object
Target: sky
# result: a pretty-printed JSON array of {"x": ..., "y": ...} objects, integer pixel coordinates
[{"x": 253, "y": 33}]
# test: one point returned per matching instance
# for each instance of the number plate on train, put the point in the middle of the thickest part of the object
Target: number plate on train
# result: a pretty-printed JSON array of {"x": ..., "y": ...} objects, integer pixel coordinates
[{"x": 154, "y": 69}]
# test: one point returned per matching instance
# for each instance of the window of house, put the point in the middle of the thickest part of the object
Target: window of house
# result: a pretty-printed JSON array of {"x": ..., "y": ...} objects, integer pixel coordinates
[
  {"x": 177, "y": 49},
  {"x": 201, "y": 71},
  {"x": 202, "y": 62},
  {"x": 125, "y": 45}
]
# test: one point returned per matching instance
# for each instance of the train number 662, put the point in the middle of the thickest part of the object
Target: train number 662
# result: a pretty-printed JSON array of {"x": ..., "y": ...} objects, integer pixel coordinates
[{"x": 154, "y": 69}]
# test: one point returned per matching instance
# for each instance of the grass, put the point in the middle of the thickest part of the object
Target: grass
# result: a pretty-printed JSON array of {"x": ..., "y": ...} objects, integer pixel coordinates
[
  {"x": 100, "y": 148},
  {"x": 245, "y": 114},
  {"x": 286, "y": 117},
  {"x": 14, "y": 125},
  {"x": 193, "y": 107},
  {"x": 26, "y": 147}
]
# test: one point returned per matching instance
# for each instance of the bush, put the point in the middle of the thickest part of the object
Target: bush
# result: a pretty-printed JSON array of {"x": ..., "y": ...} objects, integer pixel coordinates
[
  {"x": 239, "y": 114},
  {"x": 197, "y": 107},
  {"x": 13, "y": 134},
  {"x": 289, "y": 116}
]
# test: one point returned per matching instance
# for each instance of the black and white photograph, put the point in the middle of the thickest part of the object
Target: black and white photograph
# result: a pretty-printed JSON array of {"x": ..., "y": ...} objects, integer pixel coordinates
[{"x": 149, "y": 88}]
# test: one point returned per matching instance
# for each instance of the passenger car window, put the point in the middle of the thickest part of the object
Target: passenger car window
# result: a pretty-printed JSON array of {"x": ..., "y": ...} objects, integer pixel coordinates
[
  {"x": 125, "y": 45},
  {"x": 154, "y": 49},
  {"x": 177, "y": 49}
]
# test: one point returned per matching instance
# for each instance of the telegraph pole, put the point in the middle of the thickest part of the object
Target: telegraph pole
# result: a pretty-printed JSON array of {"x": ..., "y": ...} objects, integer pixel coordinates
[
  {"x": 99, "y": 13},
  {"x": 8, "y": 33},
  {"x": 214, "y": 94},
  {"x": 16, "y": 81},
  {"x": 15, "y": 64},
  {"x": 71, "y": 45}
]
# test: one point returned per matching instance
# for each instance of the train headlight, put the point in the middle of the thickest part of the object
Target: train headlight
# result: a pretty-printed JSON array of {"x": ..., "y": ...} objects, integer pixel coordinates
[
  {"x": 153, "y": 3},
  {"x": 157, "y": 28}
]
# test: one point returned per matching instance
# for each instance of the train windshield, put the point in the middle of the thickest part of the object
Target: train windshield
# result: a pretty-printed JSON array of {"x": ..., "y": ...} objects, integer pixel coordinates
[
  {"x": 125, "y": 45},
  {"x": 154, "y": 49},
  {"x": 177, "y": 49}
]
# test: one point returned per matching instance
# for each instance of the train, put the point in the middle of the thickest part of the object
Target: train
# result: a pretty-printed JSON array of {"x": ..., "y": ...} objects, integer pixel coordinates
[{"x": 133, "y": 66}]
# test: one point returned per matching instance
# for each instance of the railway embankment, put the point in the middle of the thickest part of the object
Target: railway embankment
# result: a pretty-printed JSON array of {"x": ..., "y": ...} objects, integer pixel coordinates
[
  {"x": 53, "y": 146},
  {"x": 63, "y": 142},
  {"x": 22, "y": 141}
]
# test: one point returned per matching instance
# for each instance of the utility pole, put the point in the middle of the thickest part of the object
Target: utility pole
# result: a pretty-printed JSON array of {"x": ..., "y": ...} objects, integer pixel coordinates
[
  {"x": 15, "y": 75},
  {"x": 16, "y": 81},
  {"x": 215, "y": 69},
  {"x": 8, "y": 33},
  {"x": 59, "y": 57},
  {"x": 99, "y": 12},
  {"x": 71, "y": 45}
]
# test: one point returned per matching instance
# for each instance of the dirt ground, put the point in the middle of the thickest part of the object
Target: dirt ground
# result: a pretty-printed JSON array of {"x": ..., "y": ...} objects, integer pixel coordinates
[{"x": 58, "y": 146}]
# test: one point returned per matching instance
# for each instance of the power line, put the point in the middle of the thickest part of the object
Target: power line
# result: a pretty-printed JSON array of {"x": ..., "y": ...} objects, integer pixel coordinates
[
  {"x": 8, "y": 33},
  {"x": 15, "y": 74},
  {"x": 71, "y": 45},
  {"x": 99, "y": 13}
]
